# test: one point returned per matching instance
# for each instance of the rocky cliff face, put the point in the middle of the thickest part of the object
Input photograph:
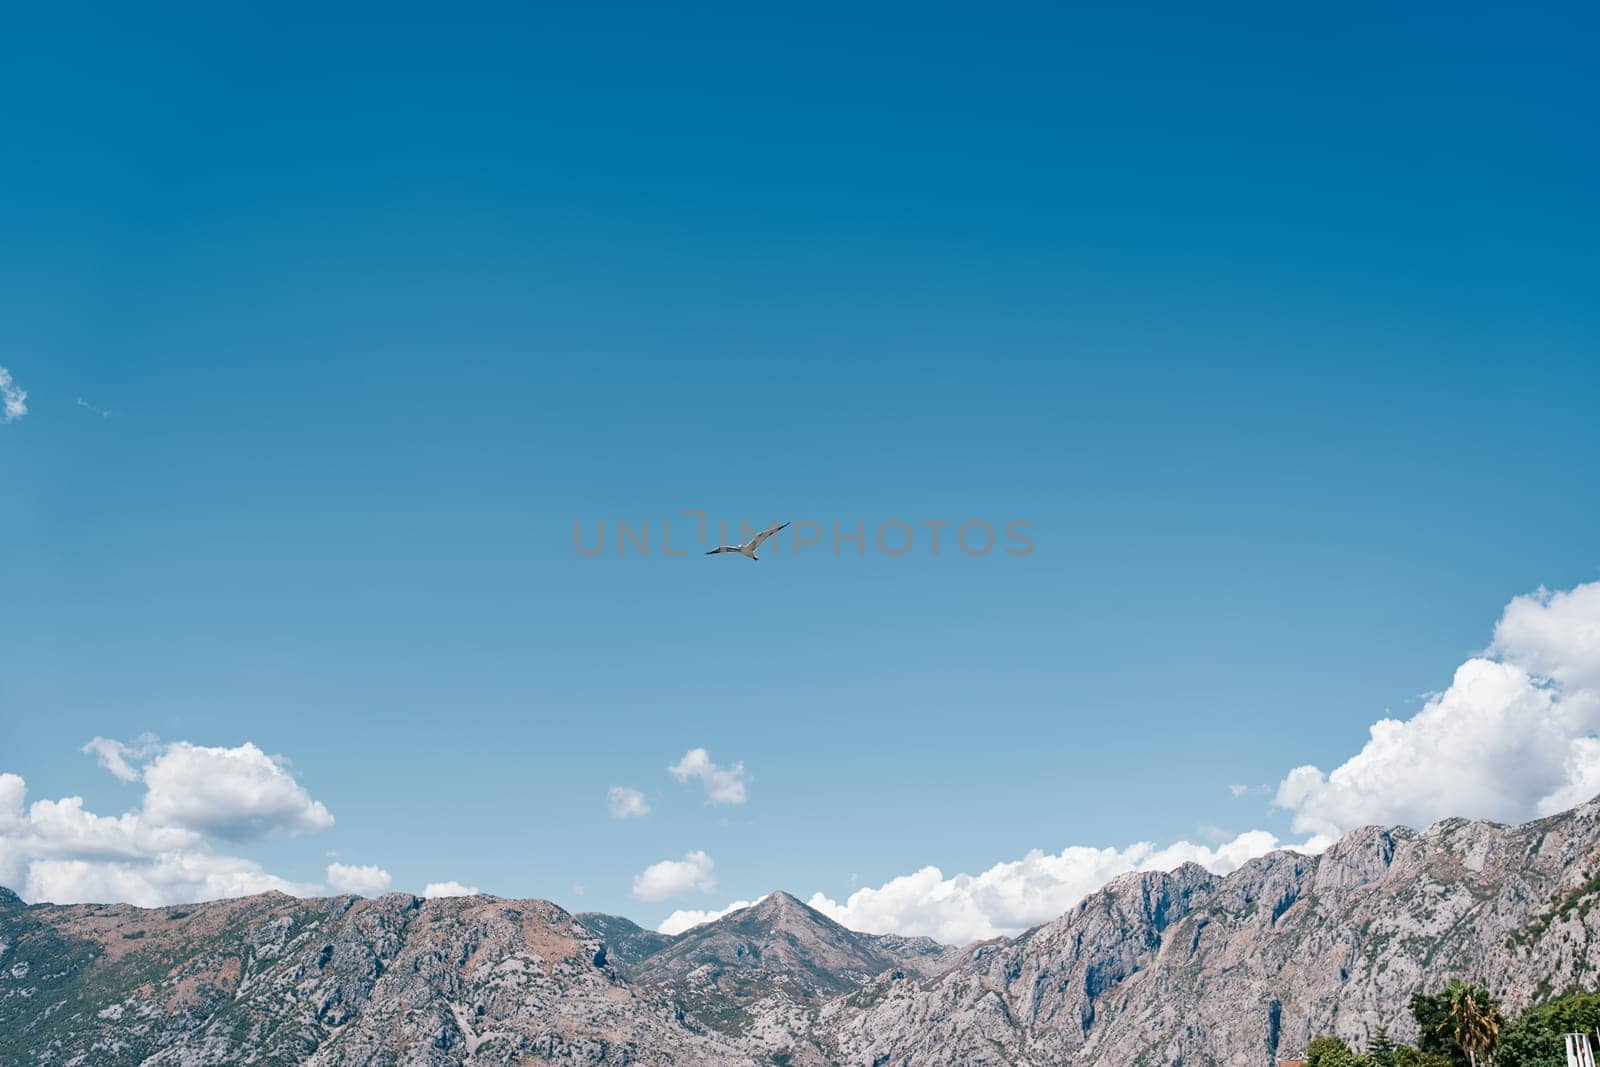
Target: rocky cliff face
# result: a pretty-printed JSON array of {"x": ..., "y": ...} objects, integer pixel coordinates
[
  {"x": 342, "y": 981},
  {"x": 1179, "y": 968},
  {"x": 1188, "y": 968},
  {"x": 627, "y": 944}
]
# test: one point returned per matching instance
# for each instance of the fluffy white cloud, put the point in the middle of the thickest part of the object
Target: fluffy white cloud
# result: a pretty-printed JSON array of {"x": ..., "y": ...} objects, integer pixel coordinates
[
  {"x": 626, "y": 802},
  {"x": 55, "y": 850},
  {"x": 672, "y": 878},
  {"x": 724, "y": 785},
  {"x": 13, "y": 398},
  {"x": 1011, "y": 897},
  {"x": 434, "y": 890},
  {"x": 1554, "y": 635},
  {"x": 62, "y": 828},
  {"x": 171, "y": 878},
  {"x": 1510, "y": 739},
  {"x": 232, "y": 793},
  {"x": 685, "y": 918},
  {"x": 368, "y": 881}
]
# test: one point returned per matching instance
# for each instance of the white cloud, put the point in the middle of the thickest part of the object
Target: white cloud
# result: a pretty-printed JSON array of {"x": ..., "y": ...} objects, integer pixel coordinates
[
  {"x": 685, "y": 918},
  {"x": 172, "y": 878},
  {"x": 63, "y": 829},
  {"x": 1582, "y": 778},
  {"x": 434, "y": 890},
  {"x": 626, "y": 801},
  {"x": 1011, "y": 897},
  {"x": 119, "y": 758},
  {"x": 55, "y": 850},
  {"x": 673, "y": 878},
  {"x": 13, "y": 398},
  {"x": 1554, "y": 635},
  {"x": 233, "y": 793},
  {"x": 368, "y": 881},
  {"x": 724, "y": 785},
  {"x": 1510, "y": 739},
  {"x": 1237, "y": 791}
]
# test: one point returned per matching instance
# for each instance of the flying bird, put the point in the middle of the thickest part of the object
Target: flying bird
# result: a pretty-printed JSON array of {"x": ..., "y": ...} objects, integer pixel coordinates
[{"x": 748, "y": 549}]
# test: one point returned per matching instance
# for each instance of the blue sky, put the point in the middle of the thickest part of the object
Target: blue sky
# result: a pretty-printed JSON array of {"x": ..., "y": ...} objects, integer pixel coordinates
[{"x": 1277, "y": 326}]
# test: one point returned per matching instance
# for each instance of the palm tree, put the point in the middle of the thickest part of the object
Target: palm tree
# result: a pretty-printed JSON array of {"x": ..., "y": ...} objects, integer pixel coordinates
[{"x": 1473, "y": 1020}]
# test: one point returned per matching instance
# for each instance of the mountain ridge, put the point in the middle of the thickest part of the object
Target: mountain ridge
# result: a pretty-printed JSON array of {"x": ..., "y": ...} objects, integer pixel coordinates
[{"x": 1159, "y": 967}]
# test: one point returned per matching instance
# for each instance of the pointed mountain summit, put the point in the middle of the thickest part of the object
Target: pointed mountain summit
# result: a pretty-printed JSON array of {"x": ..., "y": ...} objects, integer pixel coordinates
[{"x": 778, "y": 948}]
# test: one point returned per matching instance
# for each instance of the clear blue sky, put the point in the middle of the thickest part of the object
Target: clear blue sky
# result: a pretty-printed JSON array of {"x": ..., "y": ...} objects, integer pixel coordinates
[{"x": 1279, "y": 325}]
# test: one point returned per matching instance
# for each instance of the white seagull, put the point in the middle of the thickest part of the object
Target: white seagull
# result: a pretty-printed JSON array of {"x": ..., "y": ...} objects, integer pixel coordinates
[{"x": 748, "y": 549}]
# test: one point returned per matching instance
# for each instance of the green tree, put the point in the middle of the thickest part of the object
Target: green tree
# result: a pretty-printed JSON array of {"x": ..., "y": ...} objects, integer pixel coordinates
[
  {"x": 1332, "y": 1052},
  {"x": 1381, "y": 1048},
  {"x": 1534, "y": 1038},
  {"x": 1327, "y": 1051},
  {"x": 1406, "y": 1056}
]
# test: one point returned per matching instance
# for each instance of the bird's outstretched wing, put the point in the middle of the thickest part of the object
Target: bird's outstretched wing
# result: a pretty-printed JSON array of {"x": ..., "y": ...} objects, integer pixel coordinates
[
  {"x": 724, "y": 548},
  {"x": 764, "y": 534}
]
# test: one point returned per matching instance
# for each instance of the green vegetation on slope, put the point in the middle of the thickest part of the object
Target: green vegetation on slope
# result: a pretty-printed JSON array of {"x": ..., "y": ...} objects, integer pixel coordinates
[{"x": 1461, "y": 1025}]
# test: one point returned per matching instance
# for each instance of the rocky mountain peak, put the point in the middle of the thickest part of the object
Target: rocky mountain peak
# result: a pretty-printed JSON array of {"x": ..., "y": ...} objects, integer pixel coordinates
[
  {"x": 773, "y": 958},
  {"x": 777, "y": 909},
  {"x": 1361, "y": 857},
  {"x": 779, "y": 903},
  {"x": 1154, "y": 898}
]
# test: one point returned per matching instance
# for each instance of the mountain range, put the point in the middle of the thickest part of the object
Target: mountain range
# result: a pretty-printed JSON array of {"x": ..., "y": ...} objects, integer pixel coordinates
[{"x": 1180, "y": 967}]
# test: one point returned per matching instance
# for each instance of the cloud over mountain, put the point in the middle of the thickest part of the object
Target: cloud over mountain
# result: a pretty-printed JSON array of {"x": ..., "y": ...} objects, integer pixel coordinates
[
  {"x": 1012, "y": 896},
  {"x": 368, "y": 881},
  {"x": 160, "y": 853},
  {"x": 1510, "y": 738},
  {"x": 58, "y": 851},
  {"x": 674, "y": 878},
  {"x": 233, "y": 793},
  {"x": 688, "y": 918}
]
